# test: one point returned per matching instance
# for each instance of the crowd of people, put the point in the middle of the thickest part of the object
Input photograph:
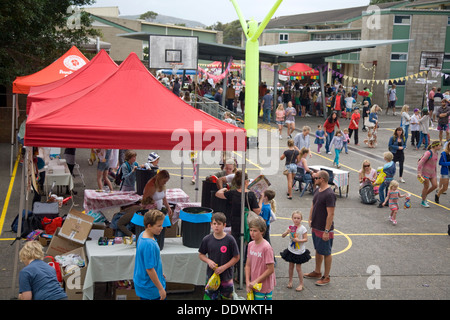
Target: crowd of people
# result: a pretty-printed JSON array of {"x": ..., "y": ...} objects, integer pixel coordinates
[{"x": 220, "y": 251}]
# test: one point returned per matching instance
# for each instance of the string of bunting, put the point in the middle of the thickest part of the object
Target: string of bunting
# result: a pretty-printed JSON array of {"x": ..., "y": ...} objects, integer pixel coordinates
[
  {"x": 216, "y": 78},
  {"x": 434, "y": 74}
]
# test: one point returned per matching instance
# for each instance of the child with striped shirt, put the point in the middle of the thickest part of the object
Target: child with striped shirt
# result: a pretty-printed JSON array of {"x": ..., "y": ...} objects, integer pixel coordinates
[{"x": 392, "y": 198}]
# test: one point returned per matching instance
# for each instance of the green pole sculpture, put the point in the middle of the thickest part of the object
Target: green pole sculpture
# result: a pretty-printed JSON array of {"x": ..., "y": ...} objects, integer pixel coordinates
[{"x": 252, "y": 33}]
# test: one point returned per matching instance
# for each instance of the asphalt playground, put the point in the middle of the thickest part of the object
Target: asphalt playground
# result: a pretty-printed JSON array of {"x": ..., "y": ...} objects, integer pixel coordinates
[{"x": 372, "y": 258}]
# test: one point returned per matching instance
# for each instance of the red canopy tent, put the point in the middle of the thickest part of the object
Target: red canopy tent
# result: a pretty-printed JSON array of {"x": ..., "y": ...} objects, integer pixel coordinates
[
  {"x": 95, "y": 71},
  {"x": 131, "y": 109},
  {"x": 71, "y": 61},
  {"x": 299, "y": 69}
]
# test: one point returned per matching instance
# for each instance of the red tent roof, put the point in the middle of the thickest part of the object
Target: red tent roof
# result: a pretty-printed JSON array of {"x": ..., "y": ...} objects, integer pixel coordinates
[
  {"x": 299, "y": 69},
  {"x": 71, "y": 61},
  {"x": 129, "y": 110},
  {"x": 95, "y": 71}
]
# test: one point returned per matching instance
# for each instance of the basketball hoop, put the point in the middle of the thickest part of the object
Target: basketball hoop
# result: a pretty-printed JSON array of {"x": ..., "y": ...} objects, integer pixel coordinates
[{"x": 176, "y": 66}]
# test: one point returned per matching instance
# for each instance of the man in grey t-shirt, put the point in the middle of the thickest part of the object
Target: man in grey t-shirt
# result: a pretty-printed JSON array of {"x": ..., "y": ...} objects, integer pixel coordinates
[
  {"x": 392, "y": 99},
  {"x": 267, "y": 106}
]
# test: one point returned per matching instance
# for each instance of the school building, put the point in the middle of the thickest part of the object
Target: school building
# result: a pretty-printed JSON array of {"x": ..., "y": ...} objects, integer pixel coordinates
[{"x": 425, "y": 22}]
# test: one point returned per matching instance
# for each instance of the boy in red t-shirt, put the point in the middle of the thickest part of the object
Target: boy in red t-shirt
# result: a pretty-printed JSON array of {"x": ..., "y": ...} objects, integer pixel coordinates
[{"x": 354, "y": 124}]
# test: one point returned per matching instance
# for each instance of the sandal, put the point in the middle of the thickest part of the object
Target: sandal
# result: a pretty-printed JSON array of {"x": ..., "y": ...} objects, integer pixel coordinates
[
  {"x": 289, "y": 286},
  {"x": 290, "y": 198},
  {"x": 298, "y": 290}
]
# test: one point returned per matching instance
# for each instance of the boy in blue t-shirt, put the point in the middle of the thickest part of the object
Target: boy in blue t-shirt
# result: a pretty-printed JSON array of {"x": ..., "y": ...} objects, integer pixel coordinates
[
  {"x": 267, "y": 204},
  {"x": 149, "y": 281}
]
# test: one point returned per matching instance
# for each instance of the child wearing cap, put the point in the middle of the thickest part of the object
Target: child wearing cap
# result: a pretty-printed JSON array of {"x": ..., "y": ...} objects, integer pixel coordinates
[
  {"x": 152, "y": 162},
  {"x": 415, "y": 128}
]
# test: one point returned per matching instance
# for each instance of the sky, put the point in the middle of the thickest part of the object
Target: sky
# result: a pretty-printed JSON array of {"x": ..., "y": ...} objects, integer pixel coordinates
[{"x": 209, "y": 12}]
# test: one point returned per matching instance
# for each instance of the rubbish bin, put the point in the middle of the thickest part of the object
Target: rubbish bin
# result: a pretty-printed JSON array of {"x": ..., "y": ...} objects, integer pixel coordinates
[
  {"x": 142, "y": 177},
  {"x": 138, "y": 221},
  {"x": 195, "y": 225},
  {"x": 207, "y": 188},
  {"x": 221, "y": 205}
]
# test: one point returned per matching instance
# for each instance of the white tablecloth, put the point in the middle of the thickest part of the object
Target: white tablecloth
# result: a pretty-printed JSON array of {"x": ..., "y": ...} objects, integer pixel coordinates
[
  {"x": 62, "y": 179},
  {"x": 340, "y": 177},
  {"x": 116, "y": 262}
]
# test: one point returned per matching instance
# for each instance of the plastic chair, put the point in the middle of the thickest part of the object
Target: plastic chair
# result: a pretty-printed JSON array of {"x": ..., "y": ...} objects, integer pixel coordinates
[{"x": 300, "y": 177}]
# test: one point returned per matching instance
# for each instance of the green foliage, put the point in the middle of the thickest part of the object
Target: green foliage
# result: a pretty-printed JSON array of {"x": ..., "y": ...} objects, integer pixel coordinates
[
  {"x": 232, "y": 31},
  {"x": 34, "y": 34},
  {"x": 148, "y": 15}
]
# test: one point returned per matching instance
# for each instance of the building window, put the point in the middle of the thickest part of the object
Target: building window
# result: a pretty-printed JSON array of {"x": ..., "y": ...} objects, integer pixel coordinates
[
  {"x": 447, "y": 57},
  {"x": 399, "y": 56},
  {"x": 336, "y": 36},
  {"x": 406, "y": 20},
  {"x": 284, "y": 37}
]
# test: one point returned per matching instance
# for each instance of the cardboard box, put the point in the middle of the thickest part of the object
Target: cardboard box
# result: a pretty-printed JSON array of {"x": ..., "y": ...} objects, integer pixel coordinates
[
  {"x": 59, "y": 245},
  {"x": 73, "y": 283},
  {"x": 173, "y": 231},
  {"x": 77, "y": 226},
  {"x": 125, "y": 294}
]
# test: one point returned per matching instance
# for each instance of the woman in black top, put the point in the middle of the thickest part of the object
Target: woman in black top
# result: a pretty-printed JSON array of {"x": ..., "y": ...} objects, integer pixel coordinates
[
  {"x": 292, "y": 157},
  {"x": 234, "y": 197},
  {"x": 397, "y": 144}
]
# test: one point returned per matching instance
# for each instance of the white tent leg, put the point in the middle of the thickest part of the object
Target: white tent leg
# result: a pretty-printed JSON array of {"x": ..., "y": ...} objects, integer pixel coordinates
[
  {"x": 13, "y": 112},
  {"x": 182, "y": 164},
  {"x": 197, "y": 176},
  {"x": 241, "y": 235}
]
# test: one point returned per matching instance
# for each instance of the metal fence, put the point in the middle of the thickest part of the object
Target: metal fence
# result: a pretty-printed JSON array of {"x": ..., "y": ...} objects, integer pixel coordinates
[{"x": 209, "y": 106}]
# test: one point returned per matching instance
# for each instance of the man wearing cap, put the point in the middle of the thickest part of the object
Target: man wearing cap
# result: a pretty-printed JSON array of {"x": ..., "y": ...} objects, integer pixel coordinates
[{"x": 415, "y": 128}]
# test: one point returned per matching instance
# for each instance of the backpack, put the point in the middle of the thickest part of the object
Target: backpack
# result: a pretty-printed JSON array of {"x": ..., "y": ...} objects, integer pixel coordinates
[
  {"x": 367, "y": 194},
  {"x": 431, "y": 155},
  {"x": 119, "y": 174}
]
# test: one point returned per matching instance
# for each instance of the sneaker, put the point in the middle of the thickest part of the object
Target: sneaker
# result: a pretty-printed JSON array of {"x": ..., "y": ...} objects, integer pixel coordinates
[
  {"x": 313, "y": 275},
  {"x": 380, "y": 205},
  {"x": 329, "y": 152},
  {"x": 90, "y": 162},
  {"x": 436, "y": 198},
  {"x": 425, "y": 204},
  {"x": 281, "y": 137},
  {"x": 323, "y": 281},
  {"x": 394, "y": 222},
  {"x": 401, "y": 180},
  {"x": 390, "y": 218}
]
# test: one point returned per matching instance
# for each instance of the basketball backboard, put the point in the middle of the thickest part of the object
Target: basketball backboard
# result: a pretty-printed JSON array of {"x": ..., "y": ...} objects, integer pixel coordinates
[
  {"x": 165, "y": 51},
  {"x": 431, "y": 61}
]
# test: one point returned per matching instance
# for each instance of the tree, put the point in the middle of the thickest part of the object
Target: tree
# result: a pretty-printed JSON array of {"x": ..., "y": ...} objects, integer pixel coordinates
[
  {"x": 150, "y": 15},
  {"x": 232, "y": 31},
  {"x": 34, "y": 34}
]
